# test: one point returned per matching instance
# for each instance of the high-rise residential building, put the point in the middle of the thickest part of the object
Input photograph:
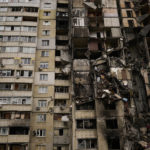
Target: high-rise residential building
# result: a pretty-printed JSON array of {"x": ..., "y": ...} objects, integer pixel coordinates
[{"x": 74, "y": 74}]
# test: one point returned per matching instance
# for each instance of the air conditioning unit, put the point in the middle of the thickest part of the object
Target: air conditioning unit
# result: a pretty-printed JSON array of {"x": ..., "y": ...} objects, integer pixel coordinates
[
  {"x": 20, "y": 65},
  {"x": 37, "y": 108}
]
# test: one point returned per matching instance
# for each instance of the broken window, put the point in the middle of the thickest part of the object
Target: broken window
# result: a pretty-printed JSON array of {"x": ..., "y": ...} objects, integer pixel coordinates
[
  {"x": 5, "y": 115},
  {"x": 5, "y": 86},
  {"x": 86, "y": 106},
  {"x": 111, "y": 124},
  {"x": 44, "y": 65},
  {"x": 87, "y": 143},
  {"x": 23, "y": 87},
  {"x": 30, "y": 9},
  {"x": 113, "y": 142},
  {"x": 62, "y": 5},
  {"x": 16, "y": 9},
  {"x": 61, "y": 89},
  {"x": 57, "y": 53},
  {"x": 6, "y": 73},
  {"x": 41, "y": 117},
  {"x": 41, "y": 132},
  {"x": 24, "y": 73},
  {"x": 127, "y": 4},
  {"x": 61, "y": 132},
  {"x": 131, "y": 23},
  {"x": 28, "y": 18},
  {"x": 4, "y": 131},
  {"x": 129, "y": 14},
  {"x": 18, "y": 130},
  {"x": 86, "y": 124},
  {"x": 59, "y": 148},
  {"x": 108, "y": 33},
  {"x": 60, "y": 102},
  {"x": 46, "y": 23}
]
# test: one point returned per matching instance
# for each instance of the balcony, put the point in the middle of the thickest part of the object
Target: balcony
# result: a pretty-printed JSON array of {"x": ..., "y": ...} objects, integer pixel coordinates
[
  {"x": 14, "y": 139},
  {"x": 61, "y": 140},
  {"x": 62, "y": 95},
  {"x": 62, "y": 82},
  {"x": 18, "y": 122},
  {"x": 85, "y": 114},
  {"x": 83, "y": 133},
  {"x": 16, "y": 107},
  {"x": 62, "y": 109}
]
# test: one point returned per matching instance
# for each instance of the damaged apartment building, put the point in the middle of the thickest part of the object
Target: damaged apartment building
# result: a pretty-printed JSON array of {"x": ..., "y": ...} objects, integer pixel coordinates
[{"x": 74, "y": 74}]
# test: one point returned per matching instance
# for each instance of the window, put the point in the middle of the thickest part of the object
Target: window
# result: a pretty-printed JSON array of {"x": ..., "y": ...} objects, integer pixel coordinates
[
  {"x": 45, "y": 32},
  {"x": 1, "y": 28},
  {"x": 86, "y": 124},
  {"x": 43, "y": 89},
  {"x": 16, "y": 9},
  {"x": 26, "y": 61},
  {"x": 23, "y": 87},
  {"x": 46, "y": 13},
  {"x": 3, "y": 131},
  {"x": 6, "y": 73},
  {"x": 111, "y": 124},
  {"x": 127, "y": 4},
  {"x": 42, "y": 103},
  {"x": 5, "y": 86},
  {"x": 24, "y": 73},
  {"x": 40, "y": 147},
  {"x": 46, "y": 23},
  {"x": 61, "y": 89},
  {"x": 3, "y": 9},
  {"x": 61, "y": 132},
  {"x": 57, "y": 53},
  {"x": 129, "y": 14},
  {"x": 87, "y": 143},
  {"x": 44, "y": 77},
  {"x": 40, "y": 132},
  {"x": 45, "y": 53},
  {"x": 131, "y": 23},
  {"x": 44, "y": 65},
  {"x": 41, "y": 117},
  {"x": 45, "y": 42}
]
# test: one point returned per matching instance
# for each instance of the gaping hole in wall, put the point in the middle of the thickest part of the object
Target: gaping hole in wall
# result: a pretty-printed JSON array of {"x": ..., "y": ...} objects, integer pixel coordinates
[
  {"x": 80, "y": 54},
  {"x": 113, "y": 142},
  {"x": 60, "y": 102},
  {"x": 86, "y": 106},
  {"x": 95, "y": 55},
  {"x": 62, "y": 42},
  {"x": 86, "y": 124},
  {"x": 111, "y": 124},
  {"x": 18, "y": 130},
  {"x": 60, "y": 76}
]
